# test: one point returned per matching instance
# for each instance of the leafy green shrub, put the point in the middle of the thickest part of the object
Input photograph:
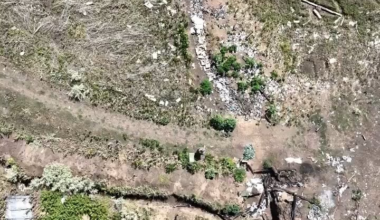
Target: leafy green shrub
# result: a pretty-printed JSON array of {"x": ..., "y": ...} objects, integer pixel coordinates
[
  {"x": 163, "y": 120},
  {"x": 171, "y": 167},
  {"x": 231, "y": 210},
  {"x": 267, "y": 164},
  {"x": 249, "y": 63},
  {"x": 235, "y": 74},
  {"x": 210, "y": 173},
  {"x": 183, "y": 157},
  {"x": 217, "y": 122},
  {"x": 249, "y": 152},
  {"x": 228, "y": 164},
  {"x": 229, "y": 125},
  {"x": 271, "y": 113},
  {"x": 274, "y": 75},
  {"x": 206, "y": 87},
  {"x": 74, "y": 207},
  {"x": 150, "y": 143},
  {"x": 356, "y": 195},
  {"x": 239, "y": 175},
  {"x": 193, "y": 167},
  {"x": 232, "y": 49},
  {"x": 242, "y": 86},
  {"x": 5, "y": 130},
  {"x": 223, "y": 124},
  {"x": 257, "y": 84}
]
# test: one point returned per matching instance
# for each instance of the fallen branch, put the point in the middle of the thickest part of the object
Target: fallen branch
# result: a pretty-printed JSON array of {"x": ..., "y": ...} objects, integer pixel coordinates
[
  {"x": 294, "y": 205},
  {"x": 322, "y": 8}
]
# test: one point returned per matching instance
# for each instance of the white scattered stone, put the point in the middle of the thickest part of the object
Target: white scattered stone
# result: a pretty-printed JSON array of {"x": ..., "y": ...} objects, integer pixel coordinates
[
  {"x": 342, "y": 189},
  {"x": 161, "y": 103},
  {"x": 293, "y": 160},
  {"x": 151, "y": 97},
  {"x": 347, "y": 159},
  {"x": 352, "y": 23},
  {"x": 148, "y": 4},
  {"x": 257, "y": 183},
  {"x": 178, "y": 100},
  {"x": 198, "y": 23},
  {"x": 22, "y": 53},
  {"x": 89, "y": 3},
  {"x": 155, "y": 55},
  {"x": 332, "y": 60}
]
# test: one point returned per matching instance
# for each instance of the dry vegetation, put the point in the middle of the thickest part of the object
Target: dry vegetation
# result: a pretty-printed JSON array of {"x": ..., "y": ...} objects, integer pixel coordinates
[{"x": 102, "y": 53}]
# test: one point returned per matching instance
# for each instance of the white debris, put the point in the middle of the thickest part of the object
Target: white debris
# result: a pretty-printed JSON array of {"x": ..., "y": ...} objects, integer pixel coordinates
[
  {"x": 293, "y": 160},
  {"x": 327, "y": 200},
  {"x": 178, "y": 100},
  {"x": 347, "y": 159},
  {"x": 315, "y": 213},
  {"x": 199, "y": 23},
  {"x": 155, "y": 55},
  {"x": 257, "y": 183},
  {"x": 89, "y": 3},
  {"x": 148, "y": 4},
  {"x": 352, "y": 23},
  {"x": 22, "y": 53},
  {"x": 151, "y": 97},
  {"x": 63, "y": 199},
  {"x": 256, "y": 211},
  {"x": 171, "y": 10},
  {"x": 161, "y": 103},
  {"x": 332, "y": 60},
  {"x": 342, "y": 189},
  {"x": 192, "y": 30}
]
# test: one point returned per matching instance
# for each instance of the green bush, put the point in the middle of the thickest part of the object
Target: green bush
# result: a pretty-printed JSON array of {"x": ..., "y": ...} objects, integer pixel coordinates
[
  {"x": 274, "y": 75},
  {"x": 228, "y": 164},
  {"x": 231, "y": 210},
  {"x": 223, "y": 124},
  {"x": 239, "y": 175},
  {"x": 249, "y": 63},
  {"x": 73, "y": 208},
  {"x": 232, "y": 49},
  {"x": 150, "y": 143},
  {"x": 193, "y": 167},
  {"x": 257, "y": 84},
  {"x": 210, "y": 173},
  {"x": 242, "y": 86},
  {"x": 169, "y": 168},
  {"x": 267, "y": 164},
  {"x": 271, "y": 113},
  {"x": 229, "y": 125},
  {"x": 183, "y": 157},
  {"x": 206, "y": 87},
  {"x": 235, "y": 74},
  {"x": 357, "y": 195},
  {"x": 249, "y": 152}
]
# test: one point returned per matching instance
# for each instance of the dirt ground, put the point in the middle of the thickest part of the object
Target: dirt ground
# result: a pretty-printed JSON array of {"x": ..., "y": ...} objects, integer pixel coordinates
[{"x": 329, "y": 65}]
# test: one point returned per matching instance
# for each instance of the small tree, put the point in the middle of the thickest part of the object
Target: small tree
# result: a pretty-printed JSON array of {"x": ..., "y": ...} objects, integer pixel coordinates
[
  {"x": 210, "y": 173},
  {"x": 206, "y": 87}
]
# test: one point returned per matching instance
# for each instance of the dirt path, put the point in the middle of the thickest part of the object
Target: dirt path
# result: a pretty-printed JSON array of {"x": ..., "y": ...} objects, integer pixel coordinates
[{"x": 40, "y": 91}]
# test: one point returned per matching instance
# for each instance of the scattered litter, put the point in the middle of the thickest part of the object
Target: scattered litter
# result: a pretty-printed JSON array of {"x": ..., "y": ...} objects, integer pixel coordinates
[
  {"x": 155, "y": 55},
  {"x": 22, "y": 53},
  {"x": 178, "y": 100},
  {"x": 317, "y": 14},
  {"x": 89, "y": 3},
  {"x": 191, "y": 157},
  {"x": 151, "y": 97},
  {"x": 315, "y": 213},
  {"x": 327, "y": 200},
  {"x": 347, "y": 159},
  {"x": 332, "y": 60},
  {"x": 293, "y": 160},
  {"x": 342, "y": 189},
  {"x": 198, "y": 23},
  {"x": 18, "y": 207},
  {"x": 148, "y": 5}
]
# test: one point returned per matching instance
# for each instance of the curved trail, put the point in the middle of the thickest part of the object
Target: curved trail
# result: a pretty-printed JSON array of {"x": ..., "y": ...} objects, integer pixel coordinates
[{"x": 13, "y": 79}]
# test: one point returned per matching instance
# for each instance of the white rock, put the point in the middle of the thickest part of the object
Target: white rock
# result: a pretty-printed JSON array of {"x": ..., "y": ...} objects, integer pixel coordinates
[
  {"x": 148, "y": 4},
  {"x": 332, "y": 60},
  {"x": 151, "y": 97},
  {"x": 155, "y": 55},
  {"x": 178, "y": 100},
  {"x": 22, "y": 53},
  {"x": 161, "y": 102},
  {"x": 89, "y": 3},
  {"x": 293, "y": 160},
  {"x": 198, "y": 23}
]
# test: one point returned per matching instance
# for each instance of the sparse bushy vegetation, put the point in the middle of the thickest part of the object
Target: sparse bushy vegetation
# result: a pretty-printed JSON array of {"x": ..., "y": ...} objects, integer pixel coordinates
[
  {"x": 223, "y": 124},
  {"x": 171, "y": 167},
  {"x": 242, "y": 86},
  {"x": 231, "y": 210},
  {"x": 226, "y": 65},
  {"x": 210, "y": 173},
  {"x": 249, "y": 152},
  {"x": 239, "y": 175},
  {"x": 257, "y": 84},
  {"x": 74, "y": 207},
  {"x": 58, "y": 177},
  {"x": 206, "y": 87}
]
